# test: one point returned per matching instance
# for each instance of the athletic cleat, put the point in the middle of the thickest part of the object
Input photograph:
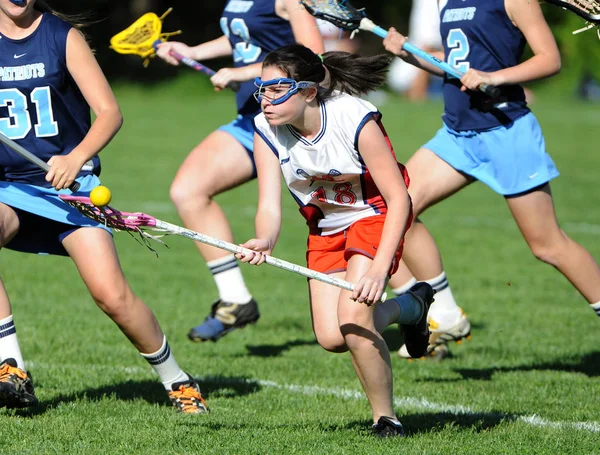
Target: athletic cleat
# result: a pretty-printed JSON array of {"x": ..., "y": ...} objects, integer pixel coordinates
[
  {"x": 16, "y": 386},
  {"x": 186, "y": 397},
  {"x": 387, "y": 428},
  {"x": 416, "y": 337},
  {"x": 223, "y": 318},
  {"x": 439, "y": 340},
  {"x": 440, "y": 352}
]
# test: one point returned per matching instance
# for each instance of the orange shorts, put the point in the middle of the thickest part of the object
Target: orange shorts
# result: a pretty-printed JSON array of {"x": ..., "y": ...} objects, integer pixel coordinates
[{"x": 330, "y": 253}]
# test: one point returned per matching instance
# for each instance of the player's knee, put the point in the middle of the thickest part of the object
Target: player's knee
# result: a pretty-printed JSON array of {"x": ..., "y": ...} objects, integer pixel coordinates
[
  {"x": 9, "y": 226},
  {"x": 183, "y": 193},
  {"x": 115, "y": 301},
  {"x": 332, "y": 343},
  {"x": 549, "y": 249}
]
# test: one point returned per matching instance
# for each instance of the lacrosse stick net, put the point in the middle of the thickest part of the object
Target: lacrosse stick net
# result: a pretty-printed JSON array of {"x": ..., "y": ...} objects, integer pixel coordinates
[
  {"x": 586, "y": 9},
  {"x": 141, "y": 37}
]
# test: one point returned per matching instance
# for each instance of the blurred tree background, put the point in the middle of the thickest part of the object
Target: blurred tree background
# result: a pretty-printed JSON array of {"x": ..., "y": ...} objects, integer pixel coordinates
[{"x": 199, "y": 21}]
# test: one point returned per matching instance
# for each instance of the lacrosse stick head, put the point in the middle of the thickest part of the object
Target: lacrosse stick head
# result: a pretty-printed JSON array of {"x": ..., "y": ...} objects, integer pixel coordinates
[
  {"x": 586, "y": 9},
  {"x": 338, "y": 12},
  {"x": 133, "y": 223},
  {"x": 142, "y": 36}
]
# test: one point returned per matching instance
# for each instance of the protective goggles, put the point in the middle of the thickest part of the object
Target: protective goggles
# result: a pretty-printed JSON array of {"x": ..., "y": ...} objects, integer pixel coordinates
[
  {"x": 277, "y": 91},
  {"x": 19, "y": 2}
]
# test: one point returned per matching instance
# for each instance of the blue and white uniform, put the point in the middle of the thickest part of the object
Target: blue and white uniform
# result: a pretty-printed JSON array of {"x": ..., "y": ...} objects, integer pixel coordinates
[
  {"x": 497, "y": 141},
  {"x": 42, "y": 109},
  {"x": 253, "y": 29}
]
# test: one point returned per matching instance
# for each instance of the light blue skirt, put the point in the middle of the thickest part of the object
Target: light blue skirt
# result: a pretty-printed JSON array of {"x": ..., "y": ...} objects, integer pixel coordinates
[
  {"x": 45, "y": 220},
  {"x": 509, "y": 159}
]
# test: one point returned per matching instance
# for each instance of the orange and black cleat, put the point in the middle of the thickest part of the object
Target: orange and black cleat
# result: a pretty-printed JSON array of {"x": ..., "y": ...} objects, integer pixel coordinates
[
  {"x": 186, "y": 397},
  {"x": 16, "y": 386}
]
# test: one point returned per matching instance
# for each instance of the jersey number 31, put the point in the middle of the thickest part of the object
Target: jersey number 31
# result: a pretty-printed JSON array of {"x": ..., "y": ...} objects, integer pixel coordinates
[{"x": 18, "y": 123}]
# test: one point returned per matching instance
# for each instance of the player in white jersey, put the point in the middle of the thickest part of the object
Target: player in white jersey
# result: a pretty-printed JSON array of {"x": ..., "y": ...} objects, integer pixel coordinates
[{"x": 340, "y": 168}]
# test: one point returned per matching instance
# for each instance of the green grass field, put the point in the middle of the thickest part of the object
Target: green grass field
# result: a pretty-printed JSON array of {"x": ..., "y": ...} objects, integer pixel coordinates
[{"x": 527, "y": 383}]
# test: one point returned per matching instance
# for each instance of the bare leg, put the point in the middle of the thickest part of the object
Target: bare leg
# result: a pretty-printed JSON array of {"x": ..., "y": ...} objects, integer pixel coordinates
[
  {"x": 432, "y": 180},
  {"x": 94, "y": 254},
  {"x": 536, "y": 218},
  {"x": 9, "y": 226},
  {"x": 217, "y": 164}
]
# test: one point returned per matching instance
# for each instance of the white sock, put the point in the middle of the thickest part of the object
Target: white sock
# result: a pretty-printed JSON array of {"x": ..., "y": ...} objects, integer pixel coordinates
[
  {"x": 444, "y": 311},
  {"x": 405, "y": 287},
  {"x": 9, "y": 345},
  {"x": 229, "y": 280},
  {"x": 596, "y": 307},
  {"x": 165, "y": 365}
]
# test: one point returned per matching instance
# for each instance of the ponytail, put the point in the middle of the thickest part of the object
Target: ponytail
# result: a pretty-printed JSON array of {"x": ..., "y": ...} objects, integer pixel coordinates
[
  {"x": 345, "y": 72},
  {"x": 354, "y": 74}
]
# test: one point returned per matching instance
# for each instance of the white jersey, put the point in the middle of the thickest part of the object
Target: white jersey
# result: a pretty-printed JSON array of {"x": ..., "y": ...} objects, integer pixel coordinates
[{"x": 326, "y": 175}]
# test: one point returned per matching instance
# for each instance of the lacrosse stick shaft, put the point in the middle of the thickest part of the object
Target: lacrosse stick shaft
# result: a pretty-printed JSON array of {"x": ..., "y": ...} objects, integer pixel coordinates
[
  {"x": 234, "y": 85},
  {"x": 31, "y": 157},
  {"x": 232, "y": 248},
  {"x": 368, "y": 25}
]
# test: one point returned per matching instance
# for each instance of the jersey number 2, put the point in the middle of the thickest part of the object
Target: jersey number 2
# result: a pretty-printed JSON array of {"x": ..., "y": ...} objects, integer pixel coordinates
[
  {"x": 18, "y": 123},
  {"x": 457, "y": 41}
]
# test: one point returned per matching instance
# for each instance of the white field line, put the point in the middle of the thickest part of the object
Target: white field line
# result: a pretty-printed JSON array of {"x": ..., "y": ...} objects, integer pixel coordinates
[{"x": 416, "y": 404}]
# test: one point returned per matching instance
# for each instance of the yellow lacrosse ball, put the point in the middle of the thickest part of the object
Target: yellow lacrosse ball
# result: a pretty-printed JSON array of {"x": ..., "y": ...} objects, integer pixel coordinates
[{"x": 100, "y": 196}]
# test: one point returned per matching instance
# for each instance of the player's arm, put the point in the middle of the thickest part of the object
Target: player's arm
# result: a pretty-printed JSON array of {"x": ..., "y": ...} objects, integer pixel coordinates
[
  {"x": 268, "y": 215},
  {"x": 220, "y": 47},
  {"x": 545, "y": 62},
  {"x": 393, "y": 43},
  {"x": 382, "y": 165},
  {"x": 92, "y": 83},
  {"x": 304, "y": 26}
]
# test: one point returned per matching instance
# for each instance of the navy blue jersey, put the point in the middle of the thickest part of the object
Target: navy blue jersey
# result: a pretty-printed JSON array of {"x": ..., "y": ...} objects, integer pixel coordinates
[
  {"x": 41, "y": 107},
  {"x": 479, "y": 34},
  {"x": 253, "y": 30}
]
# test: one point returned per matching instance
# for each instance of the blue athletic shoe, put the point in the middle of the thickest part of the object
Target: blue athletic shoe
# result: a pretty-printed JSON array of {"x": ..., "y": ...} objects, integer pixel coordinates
[{"x": 223, "y": 318}]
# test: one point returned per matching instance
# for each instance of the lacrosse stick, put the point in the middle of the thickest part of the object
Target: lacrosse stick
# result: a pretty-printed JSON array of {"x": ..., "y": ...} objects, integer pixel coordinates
[
  {"x": 145, "y": 34},
  {"x": 31, "y": 157},
  {"x": 586, "y": 9},
  {"x": 343, "y": 15},
  {"x": 140, "y": 223}
]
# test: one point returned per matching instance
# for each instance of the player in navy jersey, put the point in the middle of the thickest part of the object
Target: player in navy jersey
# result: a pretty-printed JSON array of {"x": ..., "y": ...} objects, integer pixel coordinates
[
  {"x": 497, "y": 141},
  {"x": 224, "y": 160},
  {"x": 340, "y": 167},
  {"x": 49, "y": 80}
]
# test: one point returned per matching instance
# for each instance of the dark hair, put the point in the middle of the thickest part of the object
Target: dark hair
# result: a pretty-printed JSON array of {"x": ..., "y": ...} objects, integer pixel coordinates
[
  {"x": 78, "y": 21},
  {"x": 348, "y": 73}
]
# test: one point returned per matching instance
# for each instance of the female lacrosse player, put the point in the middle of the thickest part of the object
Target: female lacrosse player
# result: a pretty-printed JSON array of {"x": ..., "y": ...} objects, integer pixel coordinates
[
  {"x": 497, "y": 141},
  {"x": 340, "y": 167},
  {"x": 224, "y": 160},
  {"x": 49, "y": 80}
]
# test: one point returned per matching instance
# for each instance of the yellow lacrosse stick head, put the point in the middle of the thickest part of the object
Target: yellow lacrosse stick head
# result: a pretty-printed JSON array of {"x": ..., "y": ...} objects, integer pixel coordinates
[{"x": 139, "y": 38}]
